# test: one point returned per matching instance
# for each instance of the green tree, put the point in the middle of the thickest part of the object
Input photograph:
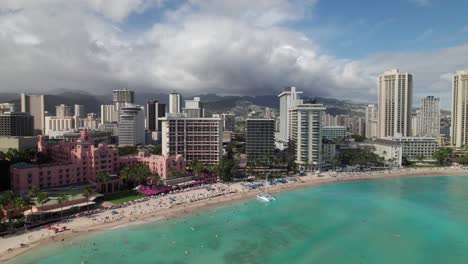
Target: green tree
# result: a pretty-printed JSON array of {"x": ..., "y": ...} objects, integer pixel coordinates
[
  {"x": 126, "y": 174},
  {"x": 442, "y": 155},
  {"x": 42, "y": 198},
  {"x": 360, "y": 156},
  {"x": 33, "y": 192},
  {"x": 19, "y": 203},
  {"x": 156, "y": 150},
  {"x": 154, "y": 178},
  {"x": 463, "y": 160},
  {"x": 102, "y": 177},
  {"x": 197, "y": 166},
  {"x": 127, "y": 150},
  {"x": 138, "y": 174},
  {"x": 87, "y": 192},
  {"x": 22, "y": 202},
  {"x": 227, "y": 169},
  {"x": 7, "y": 200},
  {"x": 63, "y": 198}
]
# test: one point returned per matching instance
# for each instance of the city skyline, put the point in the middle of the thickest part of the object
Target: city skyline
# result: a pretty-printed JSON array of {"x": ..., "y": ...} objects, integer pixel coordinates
[{"x": 163, "y": 46}]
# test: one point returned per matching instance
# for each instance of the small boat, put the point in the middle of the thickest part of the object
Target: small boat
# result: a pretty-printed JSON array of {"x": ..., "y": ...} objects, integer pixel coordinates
[{"x": 265, "y": 196}]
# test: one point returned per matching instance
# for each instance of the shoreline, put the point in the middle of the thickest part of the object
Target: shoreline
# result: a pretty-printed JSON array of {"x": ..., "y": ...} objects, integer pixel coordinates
[{"x": 84, "y": 225}]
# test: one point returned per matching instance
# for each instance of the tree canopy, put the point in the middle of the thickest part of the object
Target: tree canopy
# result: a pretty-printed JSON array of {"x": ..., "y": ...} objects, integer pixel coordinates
[
  {"x": 442, "y": 155},
  {"x": 360, "y": 156}
]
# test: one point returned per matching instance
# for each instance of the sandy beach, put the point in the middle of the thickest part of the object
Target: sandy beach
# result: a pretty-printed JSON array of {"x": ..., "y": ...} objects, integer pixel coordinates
[{"x": 188, "y": 202}]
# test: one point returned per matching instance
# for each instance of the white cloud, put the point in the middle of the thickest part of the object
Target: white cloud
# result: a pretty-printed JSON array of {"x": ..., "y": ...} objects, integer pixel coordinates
[{"x": 239, "y": 47}]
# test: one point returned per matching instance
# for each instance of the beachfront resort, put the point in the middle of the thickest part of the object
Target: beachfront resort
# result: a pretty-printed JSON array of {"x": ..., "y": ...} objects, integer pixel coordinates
[{"x": 143, "y": 165}]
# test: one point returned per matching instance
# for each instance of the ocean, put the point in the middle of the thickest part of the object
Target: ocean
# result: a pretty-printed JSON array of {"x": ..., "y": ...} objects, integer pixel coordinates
[{"x": 407, "y": 220}]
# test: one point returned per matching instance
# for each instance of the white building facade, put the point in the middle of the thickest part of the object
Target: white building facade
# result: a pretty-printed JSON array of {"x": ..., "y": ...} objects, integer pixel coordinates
[
  {"x": 109, "y": 114},
  {"x": 459, "y": 130},
  {"x": 395, "y": 104},
  {"x": 131, "y": 125},
  {"x": 288, "y": 98},
  {"x": 372, "y": 124},
  {"x": 305, "y": 134},
  {"x": 429, "y": 117},
  {"x": 175, "y": 103}
]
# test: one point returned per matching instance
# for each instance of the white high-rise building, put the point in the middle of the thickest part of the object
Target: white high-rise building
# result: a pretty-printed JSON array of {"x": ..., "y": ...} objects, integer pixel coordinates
[
  {"x": 305, "y": 134},
  {"x": 79, "y": 111},
  {"x": 174, "y": 103},
  {"x": 131, "y": 125},
  {"x": 194, "y": 108},
  {"x": 429, "y": 119},
  {"x": 395, "y": 101},
  {"x": 372, "y": 123},
  {"x": 34, "y": 105},
  {"x": 415, "y": 123},
  {"x": 109, "y": 114},
  {"x": 288, "y": 98},
  {"x": 122, "y": 97},
  {"x": 62, "y": 111},
  {"x": 459, "y": 135}
]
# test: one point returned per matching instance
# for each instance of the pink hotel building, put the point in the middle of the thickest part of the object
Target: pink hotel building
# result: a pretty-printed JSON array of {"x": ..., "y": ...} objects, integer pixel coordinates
[{"x": 79, "y": 161}]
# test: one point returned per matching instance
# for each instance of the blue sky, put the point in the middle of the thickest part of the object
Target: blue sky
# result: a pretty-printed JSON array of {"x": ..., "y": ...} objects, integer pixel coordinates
[
  {"x": 356, "y": 29},
  {"x": 329, "y": 48}
]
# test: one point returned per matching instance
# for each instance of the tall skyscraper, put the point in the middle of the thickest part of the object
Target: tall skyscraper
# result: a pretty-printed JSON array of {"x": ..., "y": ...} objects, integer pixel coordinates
[
  {"x": 395, "y": 102},
  {"x": 174, "y": 103},
  {"x": 34, "y": 105},
  {"x": 122, "y": 97},
  {"x": 259, "y": 139},
  {"x": 194, "y": 108},
  {"x": 371, "y": 121},
  {"x": 459, "y": 133},
  {"x": 62, "y": 111},
  {"x": 429, "y": 120},
  {"x": 154, "y": 112},
  {"x": 131, "y": 125},
  {"x": 109, "y": 114},
  {"x": 79, "y": 111},
  {"x": 305, "y": 134},
  {"x": 288, "y": 98}
]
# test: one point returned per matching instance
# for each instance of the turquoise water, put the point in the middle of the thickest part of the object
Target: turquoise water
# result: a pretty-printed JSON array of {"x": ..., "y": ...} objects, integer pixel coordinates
[{"x": 353, "y": 222}]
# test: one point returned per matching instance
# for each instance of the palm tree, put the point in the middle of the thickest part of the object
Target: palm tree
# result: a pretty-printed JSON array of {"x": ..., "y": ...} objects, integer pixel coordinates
[
  {"x": 103, "y": 178},
  {"x": 63, "y": 197},
  {"x": 29, "y": 202},
  {"x": 87, "y": 193},
  {"x": 7, "y": 202},
  {"x": 125, "y": 173},
  {"x": 154, "y": 177},
  {"x": 197, "y": 167},
  {"x": 42, "y": 198},
  {"x": 21, "y": 202},
  {"x": 33, "y": 192},
  {"x": 18, "y": 203}
]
